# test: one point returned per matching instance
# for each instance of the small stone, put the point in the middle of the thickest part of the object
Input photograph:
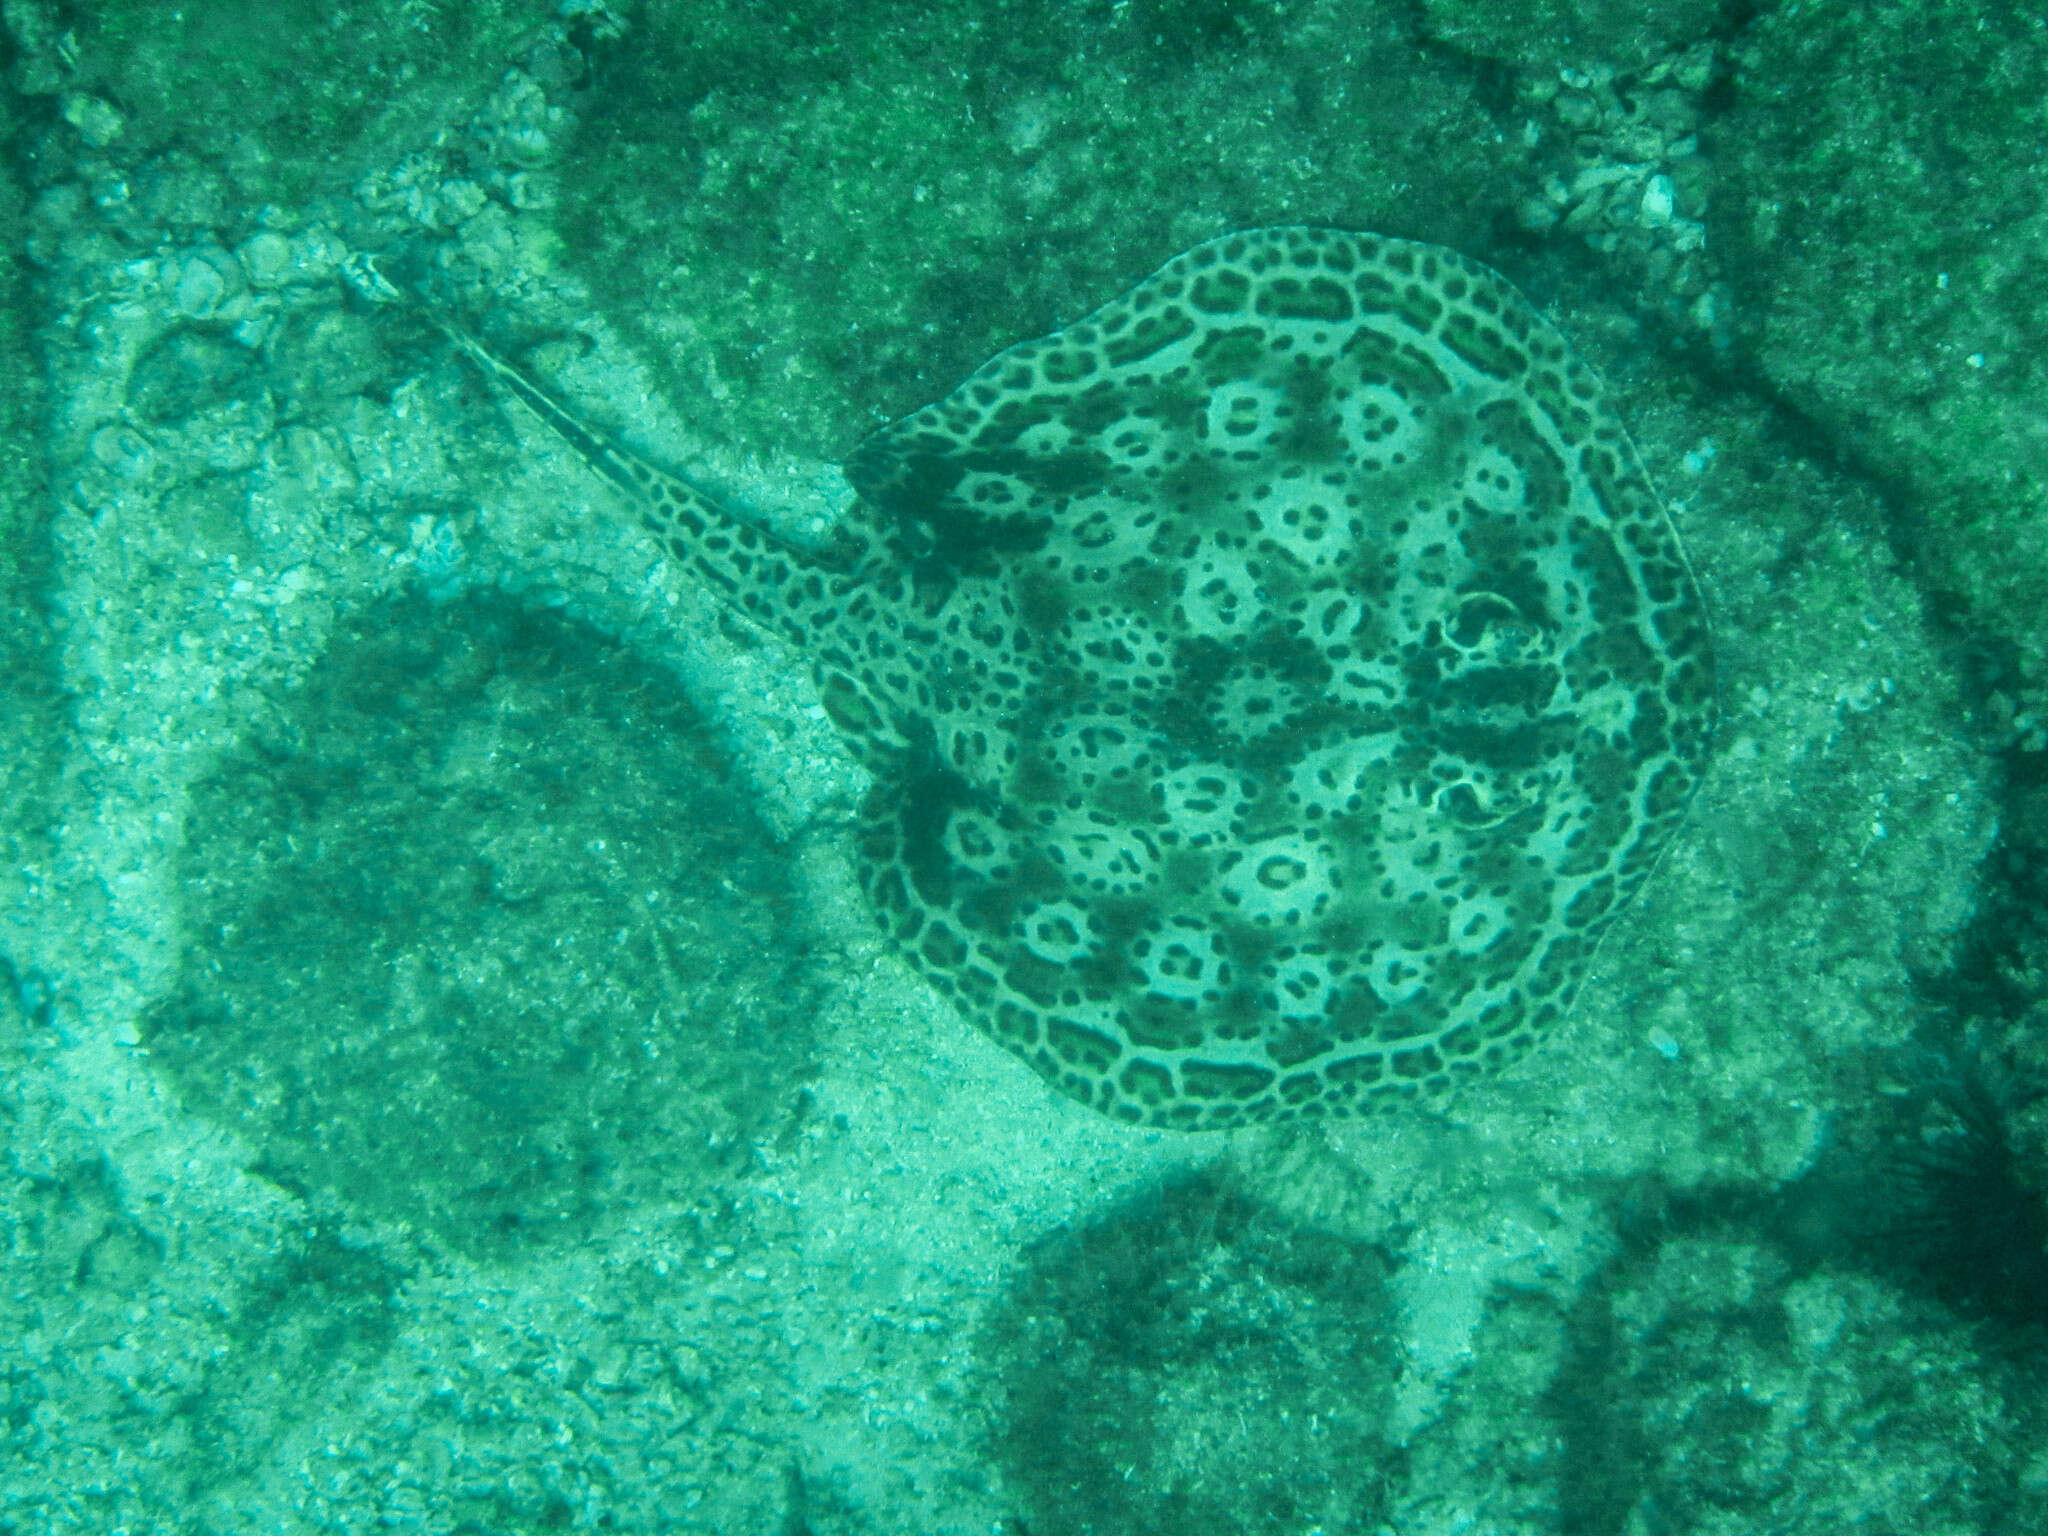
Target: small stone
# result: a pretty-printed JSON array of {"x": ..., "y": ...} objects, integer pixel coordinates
[
  {"x": 526, "y": 143},
  {"x": 266, "y": 258},
  {"x": 1660, "y": 198},
  {"x": 1638, "y": 142},
  {"x": 316, "y": 254},
  {"x": 1594, "y": 177},
  {"x": 1674, "y": 111},
  {"x": 1576, "y": 111},
  {"x": 555, "y": 64},
  {"x": 253, "y": 331},
  {"x": 527, "y": 192},
  {"x": 123, "y": 450},
  {"x": 200, "y": 289},
  {"x": 461, "y": 200},
  {"x": 98, "y": 122},
  {"x": 1536, "y": 215},
  {"x": 315, "y": 459},
  {"x": 1696, "y": 69}
]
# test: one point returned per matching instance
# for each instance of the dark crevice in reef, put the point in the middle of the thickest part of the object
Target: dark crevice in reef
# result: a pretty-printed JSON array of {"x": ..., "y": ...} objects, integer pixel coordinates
[
  {"x": 1653, "y": 1341},
  {"x": 1998, "y": 967},
  {"x": 1935, "y": 1189}
]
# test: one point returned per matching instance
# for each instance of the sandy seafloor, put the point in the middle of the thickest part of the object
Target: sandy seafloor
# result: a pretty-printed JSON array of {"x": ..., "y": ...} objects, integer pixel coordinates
[{"x": 448, "y": 1080}]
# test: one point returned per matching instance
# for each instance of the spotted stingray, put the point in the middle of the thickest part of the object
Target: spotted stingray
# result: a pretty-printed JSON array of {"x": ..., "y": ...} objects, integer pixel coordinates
[{"x": 1274, "y": 683}]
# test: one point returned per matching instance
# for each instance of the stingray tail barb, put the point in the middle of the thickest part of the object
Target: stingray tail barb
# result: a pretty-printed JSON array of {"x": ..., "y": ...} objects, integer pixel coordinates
[{"x": 750, "y": 568}]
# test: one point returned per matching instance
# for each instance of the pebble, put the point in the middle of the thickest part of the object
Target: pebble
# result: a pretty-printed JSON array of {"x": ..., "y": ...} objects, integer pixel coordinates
[
  {"x": 316, "y": 254},
  {"x": 256, "y": 329},
  {"x": 527, "y": 192},
  {"x": 266, "y": 258},
  {"x": 200, "y": 289},
  {"x": 1576, "y": 111},
  {"x": 1696, "y": 70},
  {"x": 123, "y": 450},
  {"x": 526, "y": 143},
  {"x": 461, "y": 200},
  {"x": 1660, "y": 200},
  {"x": 98, "y": 122}
]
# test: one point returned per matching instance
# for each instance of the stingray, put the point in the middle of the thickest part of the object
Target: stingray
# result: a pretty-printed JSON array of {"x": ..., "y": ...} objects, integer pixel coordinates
[{"x": 1274, "y": 683}]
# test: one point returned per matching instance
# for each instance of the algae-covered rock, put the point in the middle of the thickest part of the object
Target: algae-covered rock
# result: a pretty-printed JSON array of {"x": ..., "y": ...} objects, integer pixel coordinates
[
  {"x": 1195, "y": 1363},
  {"x": 1881, "y": 219},
  {"x": 1721, "y": 1387},
  {"x": 810, "y": 247},
  {"x": 1546, "y": 34},
  {"x": 295, "y": 95},
  {"x": 30, "y": 697},
  {"x": 479, "y": 940}
]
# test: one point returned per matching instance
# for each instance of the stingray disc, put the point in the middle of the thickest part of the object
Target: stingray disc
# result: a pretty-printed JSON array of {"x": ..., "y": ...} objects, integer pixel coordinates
[{"x": 1285, "y": 676}]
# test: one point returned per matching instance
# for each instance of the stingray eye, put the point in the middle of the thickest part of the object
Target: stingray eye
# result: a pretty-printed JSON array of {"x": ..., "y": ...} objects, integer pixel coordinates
[{"x": 1480, "y": 615}]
